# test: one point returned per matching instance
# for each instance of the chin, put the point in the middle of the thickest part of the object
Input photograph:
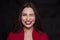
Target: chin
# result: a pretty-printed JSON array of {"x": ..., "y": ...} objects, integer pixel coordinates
[{"x": 28, "y": 27}]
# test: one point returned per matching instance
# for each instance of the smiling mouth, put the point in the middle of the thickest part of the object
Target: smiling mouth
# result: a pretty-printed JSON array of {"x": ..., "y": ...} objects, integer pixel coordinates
[{"x": 28, "y": 23}]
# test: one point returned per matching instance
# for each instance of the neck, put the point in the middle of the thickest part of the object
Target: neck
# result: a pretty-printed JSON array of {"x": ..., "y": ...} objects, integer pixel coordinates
[{"x": 28, "y": 30}]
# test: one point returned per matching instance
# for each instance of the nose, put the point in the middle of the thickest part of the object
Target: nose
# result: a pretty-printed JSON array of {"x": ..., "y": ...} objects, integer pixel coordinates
[{"x": 28, "y": 18}]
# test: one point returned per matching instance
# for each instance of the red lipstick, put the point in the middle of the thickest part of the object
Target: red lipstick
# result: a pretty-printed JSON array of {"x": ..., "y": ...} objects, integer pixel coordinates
[{"x": 28, "y": 22}]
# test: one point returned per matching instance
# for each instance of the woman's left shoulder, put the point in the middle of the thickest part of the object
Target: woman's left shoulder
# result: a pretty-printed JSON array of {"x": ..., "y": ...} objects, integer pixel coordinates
[
  {"x": 43, "y": 35},
  {"x": 40, "y": 35}
]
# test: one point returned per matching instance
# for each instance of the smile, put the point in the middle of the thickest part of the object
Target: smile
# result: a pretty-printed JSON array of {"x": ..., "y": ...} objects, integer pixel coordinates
[{"x": 28, "y": 23}]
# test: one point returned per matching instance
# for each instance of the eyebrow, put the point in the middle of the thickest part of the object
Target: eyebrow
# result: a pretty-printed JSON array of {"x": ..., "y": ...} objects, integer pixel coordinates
[{"x": 30, "y": 13}]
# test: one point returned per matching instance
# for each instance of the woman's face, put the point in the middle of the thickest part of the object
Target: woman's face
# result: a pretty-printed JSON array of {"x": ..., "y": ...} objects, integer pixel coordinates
[{"x": 28, "y": 17}]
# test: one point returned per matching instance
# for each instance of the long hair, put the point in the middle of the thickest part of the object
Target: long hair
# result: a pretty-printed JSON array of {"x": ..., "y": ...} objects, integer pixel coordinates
[{"x": 37, "y": 25}]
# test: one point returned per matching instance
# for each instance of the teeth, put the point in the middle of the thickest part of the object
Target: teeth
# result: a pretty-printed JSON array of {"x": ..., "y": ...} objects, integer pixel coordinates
[{"x": 28, "y": 23}]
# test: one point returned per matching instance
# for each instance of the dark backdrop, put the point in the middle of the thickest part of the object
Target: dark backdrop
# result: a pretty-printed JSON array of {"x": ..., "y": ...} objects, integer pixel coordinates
[{"x": 49, "y": 11}]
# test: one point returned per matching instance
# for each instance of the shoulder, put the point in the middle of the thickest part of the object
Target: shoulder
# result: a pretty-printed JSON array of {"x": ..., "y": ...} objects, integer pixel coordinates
[
  {"x": 40, "y": 35},
  {"x": 11, "y": 35},
  {"x": 15, "y": 36},
  {"x": 44, "y": 36}
]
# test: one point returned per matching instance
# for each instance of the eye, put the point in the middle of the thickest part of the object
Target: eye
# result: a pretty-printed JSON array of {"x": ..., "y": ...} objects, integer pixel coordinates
[
  {"x": 31, "y": 14},
  {"x": 24, "y": 14}
]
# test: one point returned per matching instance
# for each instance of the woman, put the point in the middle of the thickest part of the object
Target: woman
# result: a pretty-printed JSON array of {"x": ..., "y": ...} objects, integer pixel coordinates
[{"x": 28, "y": 25}]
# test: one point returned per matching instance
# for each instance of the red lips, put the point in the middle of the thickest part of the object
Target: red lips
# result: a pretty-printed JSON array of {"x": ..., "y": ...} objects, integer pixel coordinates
[{"x": 28, "y": 22}]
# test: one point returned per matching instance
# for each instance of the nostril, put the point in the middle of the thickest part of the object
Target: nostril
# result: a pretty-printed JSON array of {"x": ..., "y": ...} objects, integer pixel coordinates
[{"x": 27, "y": 19}]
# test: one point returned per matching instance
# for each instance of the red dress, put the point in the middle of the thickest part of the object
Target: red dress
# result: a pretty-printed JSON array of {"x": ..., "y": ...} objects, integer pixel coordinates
[{"x": 20, "y": 36}]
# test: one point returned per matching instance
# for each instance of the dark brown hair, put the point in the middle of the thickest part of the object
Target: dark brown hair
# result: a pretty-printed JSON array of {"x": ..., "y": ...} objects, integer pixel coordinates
[{"x": 18, "y": 25}]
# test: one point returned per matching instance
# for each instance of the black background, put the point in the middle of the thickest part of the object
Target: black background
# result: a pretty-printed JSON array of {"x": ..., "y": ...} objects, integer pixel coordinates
[{"x": 49, "y": 11}]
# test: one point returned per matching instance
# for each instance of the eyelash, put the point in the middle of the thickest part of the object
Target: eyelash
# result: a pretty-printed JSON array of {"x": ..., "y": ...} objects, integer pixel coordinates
[{"x": 26, "y": 14}]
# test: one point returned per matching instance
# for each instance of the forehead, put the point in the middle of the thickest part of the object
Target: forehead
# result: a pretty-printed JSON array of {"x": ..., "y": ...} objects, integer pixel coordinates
[{"x": 28, "y": 10}]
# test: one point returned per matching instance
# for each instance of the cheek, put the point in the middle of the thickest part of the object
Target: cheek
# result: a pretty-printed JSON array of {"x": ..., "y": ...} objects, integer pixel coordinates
[
  {"x": 33, "y": 19},
  {"x": 23, "y": 19}
]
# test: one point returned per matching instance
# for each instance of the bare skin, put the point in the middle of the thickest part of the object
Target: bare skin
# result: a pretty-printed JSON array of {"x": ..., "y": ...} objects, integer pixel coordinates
[
  {"x": 28, "y": 19},
  {"x": 28, "y": 34}
]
